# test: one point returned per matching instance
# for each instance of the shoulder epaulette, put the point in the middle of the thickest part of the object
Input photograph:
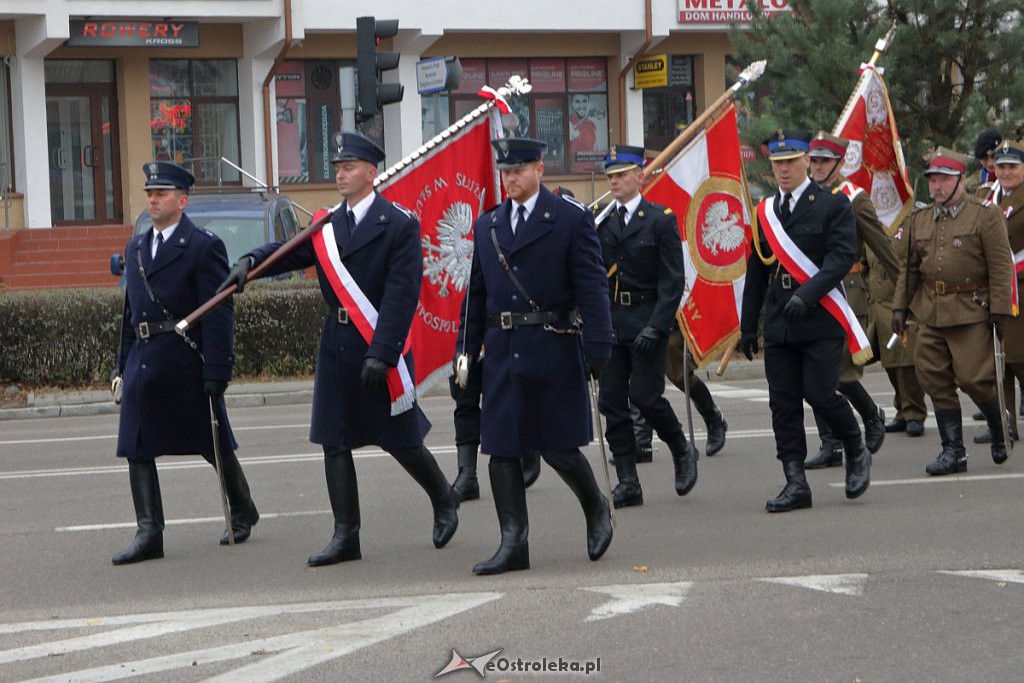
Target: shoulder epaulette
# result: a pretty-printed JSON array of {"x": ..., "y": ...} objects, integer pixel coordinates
[
  {"x": 835, "y": 190},
  {"x": 404, "y": 210},
  {"x": 575, "y": 202},
  {"x": 206, "y": 232},
  {"x": 668, "y": 211}
]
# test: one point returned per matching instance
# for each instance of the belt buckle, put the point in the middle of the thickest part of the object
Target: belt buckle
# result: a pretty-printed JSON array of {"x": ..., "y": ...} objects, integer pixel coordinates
[
  {"x": 343, "y": 316},
  {"x": 940, "y": 287},
  {"x": 144, "y": 330},
  {"x": 505, "y": 320},
  {"x": 786, "y": 280},
  {"x": 626, "y": 298}
]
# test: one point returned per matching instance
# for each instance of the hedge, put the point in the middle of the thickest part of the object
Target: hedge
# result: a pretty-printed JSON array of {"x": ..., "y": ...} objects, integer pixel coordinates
[{"x": 68, "y": 337}]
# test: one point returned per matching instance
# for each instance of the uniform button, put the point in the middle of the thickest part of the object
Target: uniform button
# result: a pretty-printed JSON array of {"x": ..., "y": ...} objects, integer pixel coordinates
[
  {"x": 515, "y": 298},
  {"x": 514, "y": 355},
  {"x": 143, "y": 366},
  {"x": 515, "y": 269}
]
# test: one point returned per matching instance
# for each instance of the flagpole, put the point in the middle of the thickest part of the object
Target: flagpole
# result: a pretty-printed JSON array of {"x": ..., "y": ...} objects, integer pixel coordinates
[
  {"x": 516, "y": 85},
  {"x": 881, "y": 45},
  {"x": 748, "y": 75}
]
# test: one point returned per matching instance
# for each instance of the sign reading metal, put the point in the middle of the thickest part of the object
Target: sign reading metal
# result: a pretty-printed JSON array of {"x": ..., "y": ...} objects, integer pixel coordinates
[
  {"x": 651, "y": 72},
  {"x": 133, "y": 33},
  {"x": 725, "y": 11}
]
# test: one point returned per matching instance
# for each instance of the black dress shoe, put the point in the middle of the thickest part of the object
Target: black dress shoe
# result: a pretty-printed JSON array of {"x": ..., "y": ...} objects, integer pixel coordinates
[
  {"x": 915, "y": 428},
  {"x": 896, "y": 426},
  {"x": 344, "y": 547},
  {"x": 466, "y": 486},
  {"x": 241, "y": 525},
  {"x": 828, "y": 456},
  {"x": 627, "y": 494},
  {"x": 645, "y": 453},
  {"x": 874, "y": 432},
  {"x": 796, "y": 495},
  {"x": 858, "y": 468}
]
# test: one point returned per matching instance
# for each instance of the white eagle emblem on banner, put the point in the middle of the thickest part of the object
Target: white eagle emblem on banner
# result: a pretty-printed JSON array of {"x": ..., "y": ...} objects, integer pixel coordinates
[
  {"x": 723, "y": 231},
  {"x": 448, "y": 262}
]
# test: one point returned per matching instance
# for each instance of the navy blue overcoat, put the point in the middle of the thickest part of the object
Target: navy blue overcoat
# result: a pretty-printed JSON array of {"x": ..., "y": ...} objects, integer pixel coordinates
[
  {"x": 535, "y": 392},
  {"x": 385, "y": 257},
  {"x": 164, "y": 409}
]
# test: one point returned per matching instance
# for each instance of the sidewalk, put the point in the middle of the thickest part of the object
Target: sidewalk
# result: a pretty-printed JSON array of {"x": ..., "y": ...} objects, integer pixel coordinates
[{"x": 288, "y": 392}]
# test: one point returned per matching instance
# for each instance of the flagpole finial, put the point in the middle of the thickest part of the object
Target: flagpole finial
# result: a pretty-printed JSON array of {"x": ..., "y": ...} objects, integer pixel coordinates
[{"x": 753, "y": 72}]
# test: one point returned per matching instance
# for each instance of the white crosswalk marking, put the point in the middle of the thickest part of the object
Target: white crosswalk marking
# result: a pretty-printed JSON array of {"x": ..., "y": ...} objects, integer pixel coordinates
[{"x": 1001, "y": 575}]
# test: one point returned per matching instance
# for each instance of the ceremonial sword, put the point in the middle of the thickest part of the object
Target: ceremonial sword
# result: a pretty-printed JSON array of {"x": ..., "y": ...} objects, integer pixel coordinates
[
  {"x": 214, "y": 428},
  {"x": 604, "y": 451},
  {"x": 1000, "y": 356}
]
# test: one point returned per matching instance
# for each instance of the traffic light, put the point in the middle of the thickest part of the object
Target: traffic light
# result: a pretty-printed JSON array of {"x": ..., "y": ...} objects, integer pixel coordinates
[{"x": 372, "y": 93}]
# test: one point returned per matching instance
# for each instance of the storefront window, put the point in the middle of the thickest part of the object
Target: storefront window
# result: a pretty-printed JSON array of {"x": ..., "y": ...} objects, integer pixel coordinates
[
  {"x": 6, "y": 155},
  {"x": 668, "y": 110},
  {"x": 315, "y": 99},
  {"x": 194, "y": 116},
  {"x": 568, "y": 107}
]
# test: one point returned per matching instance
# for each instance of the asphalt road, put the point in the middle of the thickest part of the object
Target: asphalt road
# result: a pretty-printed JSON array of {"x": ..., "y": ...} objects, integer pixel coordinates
[{"x": 919, "y": 580}]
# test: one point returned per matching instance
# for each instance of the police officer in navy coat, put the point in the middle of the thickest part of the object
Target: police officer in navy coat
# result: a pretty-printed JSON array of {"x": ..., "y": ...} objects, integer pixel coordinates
[
  {"x": 803, "y": 342},
  {"x": 537, "y": 283},
  {"x": 169, "y": 379},
  {"x": 643, "y": 258},
  {"x": 379, "y": 244}
]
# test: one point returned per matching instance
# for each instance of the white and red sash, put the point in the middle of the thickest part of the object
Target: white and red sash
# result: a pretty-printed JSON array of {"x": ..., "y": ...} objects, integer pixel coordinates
[
  {"x": 850, "y": 190},
  {"x": 1018, "y": 269},
  {"x": 803, "y": 269},
  {"x": 362, "y": 314}
]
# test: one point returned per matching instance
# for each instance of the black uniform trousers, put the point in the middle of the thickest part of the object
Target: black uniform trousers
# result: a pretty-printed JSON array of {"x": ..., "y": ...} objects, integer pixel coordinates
[
  {"x": 799, "y": 371},
  {"x": 467, "y": 405},
  {"x": 631, "y": 377}
]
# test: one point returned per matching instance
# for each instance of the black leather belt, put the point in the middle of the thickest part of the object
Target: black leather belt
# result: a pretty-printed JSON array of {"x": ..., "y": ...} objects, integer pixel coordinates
[
  {"x": 634, "y": 298},
  {"x": 507, "y": 320},
  {"x": 147, "y": 329},
  {"x": 339, "y": 314}
]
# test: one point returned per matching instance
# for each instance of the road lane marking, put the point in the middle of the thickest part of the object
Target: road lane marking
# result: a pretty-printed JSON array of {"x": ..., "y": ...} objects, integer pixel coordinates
[
  {"x": 184, "y": 521},
  {"x": 1001, "y": 575},
  {"x": 292, "y": 652},
  {"x": 959, "y": 479},
  {"x": 842, "y": 584},
  {"x": 632, "y": 597}
]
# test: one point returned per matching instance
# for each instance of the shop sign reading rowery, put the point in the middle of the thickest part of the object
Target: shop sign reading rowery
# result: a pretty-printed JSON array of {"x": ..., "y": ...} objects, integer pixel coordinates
[
  {"x": 704, "y": 12},
  {"x": 133, "y": 33}
]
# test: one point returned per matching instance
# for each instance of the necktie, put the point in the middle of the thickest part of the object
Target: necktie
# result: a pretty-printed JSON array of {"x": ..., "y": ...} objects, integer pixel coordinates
[
  {"x": 784, "y": 208},
  {"x": 520, "y": 218},
  {"x": 351, "y": 221},
  {"x": 622, "y": 215},
  {"x": 159, "y": 243}
]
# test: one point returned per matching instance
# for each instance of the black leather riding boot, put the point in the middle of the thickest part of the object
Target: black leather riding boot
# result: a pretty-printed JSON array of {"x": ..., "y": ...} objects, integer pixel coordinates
[
  {"x": 344, "y": 494},
  {"x": 628, "y": 491},
  {"x": 643, "y": 435},
  {"x": 580, "y": 479},
  {"x": 531, "y": 467},
  {"x": 509, "y": 493},
  {"x": 244, "y": 514},
  {"x": 870, "y": 413},
  {"x": 858, "y": 467},
  {"x": 796, "y": 494},
  {"x": 684, "y": 457},
  {"x": 714, "y": 422},
  {"x": 148, "y": 543},
  {"x": 420, "y": 463},
  {"x": 995, "y": 428},
  {"x": 831, "y": 452},
  {"x": 466, "y": 485},
  {"x": 953, "y": 457}
]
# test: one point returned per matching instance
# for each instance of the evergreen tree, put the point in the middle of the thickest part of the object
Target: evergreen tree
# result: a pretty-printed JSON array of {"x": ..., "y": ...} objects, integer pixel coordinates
[{"x": 952, "y": 69}]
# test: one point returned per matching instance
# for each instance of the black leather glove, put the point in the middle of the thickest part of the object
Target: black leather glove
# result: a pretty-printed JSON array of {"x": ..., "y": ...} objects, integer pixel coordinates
[
  {"x": 595, "y": 366},
  {"x": 998, "y": 322},
  {"x": 215, "y": 388},
  {"x": 237, "y": 276},
  {"x": 899, "y": 321},
  {"x": 795, "y": 309},
  {"x": 374, "y": 376},
  {"x": 748, "y": 345},
  {"x": 646, "y": 340}
]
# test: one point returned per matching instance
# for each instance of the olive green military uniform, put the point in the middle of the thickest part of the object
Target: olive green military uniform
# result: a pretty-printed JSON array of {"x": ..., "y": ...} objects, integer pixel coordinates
[
  {"x": 958, "y": 272},
  {"x": 1012, "y": 208},
  {"x": 898, "y": 362}
]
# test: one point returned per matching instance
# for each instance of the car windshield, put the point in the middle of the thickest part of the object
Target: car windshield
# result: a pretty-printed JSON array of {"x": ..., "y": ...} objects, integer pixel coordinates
[{"x": 241, "y": 234}]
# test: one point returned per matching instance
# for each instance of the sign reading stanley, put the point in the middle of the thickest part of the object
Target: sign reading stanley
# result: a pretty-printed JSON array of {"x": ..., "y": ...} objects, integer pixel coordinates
[
  {"x": 651, "y": 72},
  {"x": 724, "y": 11},
  {"x": 133, "y": 33}
]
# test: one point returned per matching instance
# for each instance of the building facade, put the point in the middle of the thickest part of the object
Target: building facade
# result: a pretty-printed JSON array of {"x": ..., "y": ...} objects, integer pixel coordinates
[{"x": 85, "y": 100}]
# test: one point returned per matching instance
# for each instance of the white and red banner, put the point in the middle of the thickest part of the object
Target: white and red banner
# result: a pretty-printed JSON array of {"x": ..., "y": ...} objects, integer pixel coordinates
[
  {"x": 705, "y": 187},
  {"x": 446, "y": 188},
  {"x": 874, "y": 158}
]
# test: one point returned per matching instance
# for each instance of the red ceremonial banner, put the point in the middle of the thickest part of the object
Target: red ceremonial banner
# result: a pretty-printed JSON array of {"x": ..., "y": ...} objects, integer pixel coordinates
[
  {"x": 874, "y": 158},
  {"x": 705, "y": 187},
  {"x": 447, "y": 189}
]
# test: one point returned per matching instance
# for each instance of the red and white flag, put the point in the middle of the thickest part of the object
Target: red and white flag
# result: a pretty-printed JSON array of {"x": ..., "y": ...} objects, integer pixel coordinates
[
  {"x": 874, "y": 158},
  {"x": 446, "y": 188},
  {"x": 705, "y": 187}
]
